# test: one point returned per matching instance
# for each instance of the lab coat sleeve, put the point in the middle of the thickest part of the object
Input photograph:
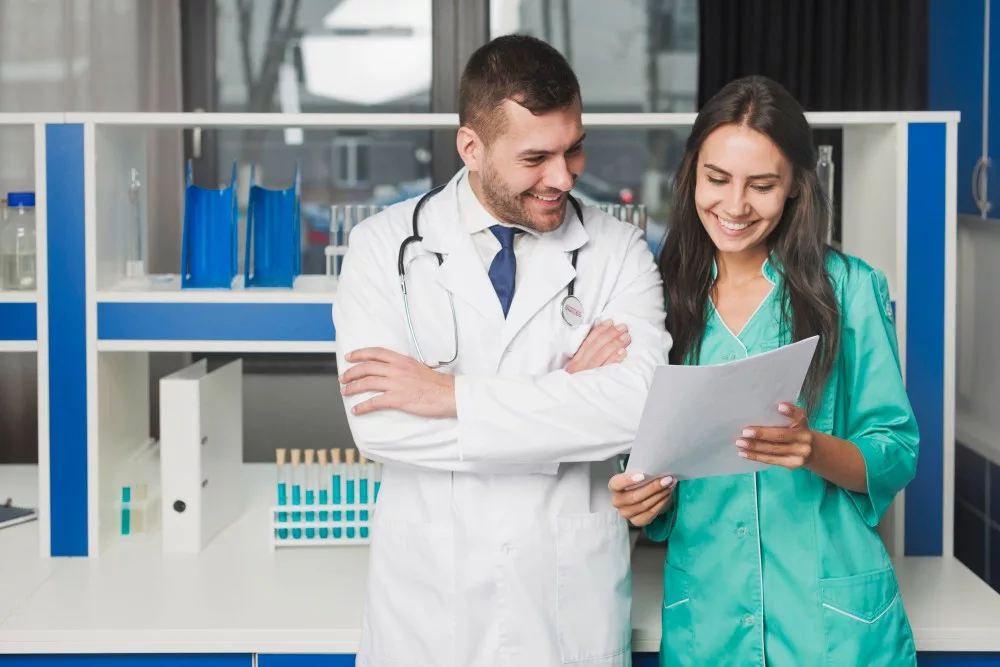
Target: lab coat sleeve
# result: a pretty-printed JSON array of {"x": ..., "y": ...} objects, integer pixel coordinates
[
  {"x": 880, "y": 421},
  {"x": 561, "y": 417},
  {"x": 368, "y": 313}
]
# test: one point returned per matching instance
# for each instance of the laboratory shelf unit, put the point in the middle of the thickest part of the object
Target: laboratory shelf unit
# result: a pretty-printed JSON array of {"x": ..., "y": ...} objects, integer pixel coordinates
[
  {"x": 24, "y": 324},
  {"x": 99, "y": 316}
]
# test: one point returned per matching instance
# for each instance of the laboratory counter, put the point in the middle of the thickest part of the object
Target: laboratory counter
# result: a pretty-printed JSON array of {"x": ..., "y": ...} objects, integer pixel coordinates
[{"x": 239, "y": 596}]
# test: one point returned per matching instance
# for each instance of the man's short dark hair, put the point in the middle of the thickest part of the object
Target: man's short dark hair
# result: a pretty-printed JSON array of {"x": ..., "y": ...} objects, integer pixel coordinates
[{"x": 520, "y": 68}]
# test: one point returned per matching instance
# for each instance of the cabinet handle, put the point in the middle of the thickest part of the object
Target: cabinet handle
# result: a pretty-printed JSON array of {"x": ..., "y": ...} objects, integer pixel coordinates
[{"x": 979, "y": 185}]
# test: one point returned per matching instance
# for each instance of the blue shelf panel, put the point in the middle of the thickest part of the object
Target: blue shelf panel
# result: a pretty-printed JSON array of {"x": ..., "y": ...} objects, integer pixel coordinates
[
  {"x": 130, "y": 660},
  {"x": 287, "y": 322},
  {"x": 18, "y": 321},
  {"x": 305, "y": 660},
  {"x": 925, "y": 328}
]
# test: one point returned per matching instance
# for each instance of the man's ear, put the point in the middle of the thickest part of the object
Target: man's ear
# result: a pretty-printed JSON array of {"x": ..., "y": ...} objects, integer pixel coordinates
[{"x": 470, "y": 148}]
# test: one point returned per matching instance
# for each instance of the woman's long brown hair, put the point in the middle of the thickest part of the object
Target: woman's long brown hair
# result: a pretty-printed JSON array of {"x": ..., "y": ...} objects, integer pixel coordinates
[{"x": 797, "y": 244}]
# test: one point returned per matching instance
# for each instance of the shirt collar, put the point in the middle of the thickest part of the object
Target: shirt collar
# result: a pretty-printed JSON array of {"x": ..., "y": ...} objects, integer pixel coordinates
[
  {"x": 768, "y": 269},
  {"x": 475, "y": 217}
]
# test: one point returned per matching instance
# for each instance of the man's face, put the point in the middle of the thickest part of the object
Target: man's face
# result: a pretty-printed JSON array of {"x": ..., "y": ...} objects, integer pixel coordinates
[{"x": 527, "y": 171}]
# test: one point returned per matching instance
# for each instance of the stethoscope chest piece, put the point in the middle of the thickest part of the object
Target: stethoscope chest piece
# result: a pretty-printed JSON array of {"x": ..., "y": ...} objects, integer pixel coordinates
[{"x": 572, "y": 311}]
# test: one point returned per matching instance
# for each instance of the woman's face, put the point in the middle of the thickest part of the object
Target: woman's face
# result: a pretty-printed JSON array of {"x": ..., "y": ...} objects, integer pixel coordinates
[{"x": 742, "y": 183}]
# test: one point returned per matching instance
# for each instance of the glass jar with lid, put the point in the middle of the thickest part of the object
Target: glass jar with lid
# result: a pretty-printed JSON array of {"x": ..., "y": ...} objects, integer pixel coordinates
[{"x": 17, "y": 243}]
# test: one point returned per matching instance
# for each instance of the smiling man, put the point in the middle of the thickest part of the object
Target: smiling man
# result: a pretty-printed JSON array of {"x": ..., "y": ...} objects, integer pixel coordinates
[{"x": 459, "y": 322}]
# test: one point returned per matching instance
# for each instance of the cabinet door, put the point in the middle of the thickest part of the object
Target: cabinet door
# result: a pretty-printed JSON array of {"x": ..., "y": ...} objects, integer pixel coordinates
[
  {"x": 993, "y": 116},
  {"x": 955, "y": 83},
  {"x": 122, "y": 660},
  {"x": 305, "y": 660}
]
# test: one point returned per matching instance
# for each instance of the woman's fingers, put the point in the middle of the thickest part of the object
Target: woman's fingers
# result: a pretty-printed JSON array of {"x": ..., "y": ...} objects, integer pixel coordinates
[
  {"x": 649, "y": 503},
  {"x": 645, "y": 518}
]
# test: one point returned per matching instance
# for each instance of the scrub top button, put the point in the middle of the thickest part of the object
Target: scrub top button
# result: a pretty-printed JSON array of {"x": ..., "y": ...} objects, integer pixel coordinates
[
  {"x": 748, "y": 620},
  {"x": 741, "y": 531}
]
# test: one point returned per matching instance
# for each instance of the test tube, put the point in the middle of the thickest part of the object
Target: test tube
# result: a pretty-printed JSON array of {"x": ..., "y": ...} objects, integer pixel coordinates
[
  {"x": 363, "y": 493},
  {"x": 282, "y": 491},
  {"x": 296, "y": 491},
  {"x": 350, "y": 477},
  {"x": 378, "y": 480},
  {"x": 126, "y": 519},
  {"x": 311, "y": 484},
  {"x": 642, "y": 217},
  {"x": 324, "y": 495},
  {"x": 336, "y": 468}
]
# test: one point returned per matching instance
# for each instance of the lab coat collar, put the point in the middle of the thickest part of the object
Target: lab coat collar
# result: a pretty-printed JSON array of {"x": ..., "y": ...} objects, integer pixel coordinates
[
  {"x": 441, "y": 226},
  {"x": 545, "y": 272}
]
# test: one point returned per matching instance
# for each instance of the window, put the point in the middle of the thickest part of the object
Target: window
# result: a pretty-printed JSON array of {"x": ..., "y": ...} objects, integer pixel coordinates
[{"x": 352, "y": 155}]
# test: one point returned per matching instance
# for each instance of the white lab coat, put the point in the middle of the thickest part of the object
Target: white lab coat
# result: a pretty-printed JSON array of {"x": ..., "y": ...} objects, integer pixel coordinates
[{"x": 495, "y": 543}]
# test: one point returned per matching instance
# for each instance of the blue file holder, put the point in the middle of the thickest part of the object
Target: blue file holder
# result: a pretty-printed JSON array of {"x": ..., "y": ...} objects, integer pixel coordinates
[
  {"x": 273, "y": 255},
  {"x": 211, "y": 229}
]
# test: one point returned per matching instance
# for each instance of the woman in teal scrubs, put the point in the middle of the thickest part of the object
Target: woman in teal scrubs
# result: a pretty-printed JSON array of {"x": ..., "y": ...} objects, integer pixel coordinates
[{"x": 780, "y": 567}]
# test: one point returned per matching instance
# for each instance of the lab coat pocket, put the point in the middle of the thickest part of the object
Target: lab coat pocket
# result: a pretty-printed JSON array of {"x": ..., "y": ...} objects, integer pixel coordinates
[
  {"x": 864, "y": 621},
  {"x": 594, "y": 587},
  {"x": 411, "y": 595},
  {"x": 677, "y": 623}
]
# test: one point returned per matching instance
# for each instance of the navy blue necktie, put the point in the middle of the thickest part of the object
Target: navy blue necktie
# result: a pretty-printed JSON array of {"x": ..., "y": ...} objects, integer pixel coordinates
[{"x": 504, "y": 266}]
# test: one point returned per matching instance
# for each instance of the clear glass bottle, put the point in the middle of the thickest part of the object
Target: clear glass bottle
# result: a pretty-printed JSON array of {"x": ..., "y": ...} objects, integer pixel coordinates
[
  {"x": 825, "y": 173},
  {"x": 17, "y": 243}
]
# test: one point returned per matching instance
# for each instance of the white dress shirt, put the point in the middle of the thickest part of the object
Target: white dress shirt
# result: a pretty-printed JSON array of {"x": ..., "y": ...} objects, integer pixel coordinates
[{"x": 478, "y": 221}]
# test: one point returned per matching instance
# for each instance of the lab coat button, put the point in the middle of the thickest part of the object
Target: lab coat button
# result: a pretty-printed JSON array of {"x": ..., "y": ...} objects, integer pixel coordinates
[
  {"x": 748, "y": 620},
  {"x": 509, "y": 550}
]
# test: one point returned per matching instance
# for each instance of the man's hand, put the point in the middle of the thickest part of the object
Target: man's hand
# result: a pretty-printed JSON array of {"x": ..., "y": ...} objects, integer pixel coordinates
[
  {"x": 402, "y": 383},
  {"x": 605, "y": 344}
]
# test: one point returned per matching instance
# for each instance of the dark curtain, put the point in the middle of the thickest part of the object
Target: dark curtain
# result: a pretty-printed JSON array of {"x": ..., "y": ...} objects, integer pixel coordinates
[{"x": 832, "y": 55}]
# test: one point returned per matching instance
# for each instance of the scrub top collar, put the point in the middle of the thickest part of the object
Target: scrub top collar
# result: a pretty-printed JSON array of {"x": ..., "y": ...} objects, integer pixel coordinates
[{"x": 769, "y": 269}]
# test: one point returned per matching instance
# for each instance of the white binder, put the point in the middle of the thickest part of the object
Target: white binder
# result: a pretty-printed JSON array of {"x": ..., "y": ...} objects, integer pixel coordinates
[{"x": 201, "y": 454}]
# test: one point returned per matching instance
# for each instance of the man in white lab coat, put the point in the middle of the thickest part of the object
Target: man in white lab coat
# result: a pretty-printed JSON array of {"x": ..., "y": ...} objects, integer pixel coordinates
[{"x": 495, "y": 542}]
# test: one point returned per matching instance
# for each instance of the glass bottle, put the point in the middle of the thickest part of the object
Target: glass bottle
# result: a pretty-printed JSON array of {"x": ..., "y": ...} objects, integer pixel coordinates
[
  {"x": 825, "y": 173},
  {"x": 17, "y": 243}
]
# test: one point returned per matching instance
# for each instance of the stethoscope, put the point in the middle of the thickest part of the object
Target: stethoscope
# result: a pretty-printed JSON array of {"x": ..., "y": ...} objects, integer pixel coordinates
[{"x": 571, "y": 307}]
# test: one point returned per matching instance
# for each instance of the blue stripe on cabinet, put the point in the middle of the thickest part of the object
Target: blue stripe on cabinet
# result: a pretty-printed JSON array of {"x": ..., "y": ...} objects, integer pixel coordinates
[
  {"x": 305, "y": 660},
  {"x": 67, "y": 336},
  {"x": 303, "y": 322},
  {"x": 925, "y": 333},
  {"x": 128, "y": 660},
  {"x": 18, "y": 321}
]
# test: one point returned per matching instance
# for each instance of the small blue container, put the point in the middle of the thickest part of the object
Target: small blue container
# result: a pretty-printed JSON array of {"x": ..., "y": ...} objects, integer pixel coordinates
[
  {"x": 273, "y": 254},
  {"x": 211, "y": 228}
]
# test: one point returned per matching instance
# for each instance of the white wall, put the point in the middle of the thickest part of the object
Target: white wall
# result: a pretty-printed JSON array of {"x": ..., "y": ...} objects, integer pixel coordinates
[{"x": 978, "y": 365}]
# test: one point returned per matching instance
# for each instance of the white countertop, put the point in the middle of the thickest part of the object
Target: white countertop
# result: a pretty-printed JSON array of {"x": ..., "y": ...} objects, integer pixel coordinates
[{"x": 239, "y": 596}]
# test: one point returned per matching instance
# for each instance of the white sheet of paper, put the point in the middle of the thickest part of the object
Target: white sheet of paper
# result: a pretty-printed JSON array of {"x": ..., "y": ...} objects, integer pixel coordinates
[{"x": 695, "y": 414}]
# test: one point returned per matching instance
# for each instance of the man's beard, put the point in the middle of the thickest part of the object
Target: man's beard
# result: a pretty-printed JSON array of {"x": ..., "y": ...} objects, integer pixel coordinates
[{"x": 509, "y": 206}]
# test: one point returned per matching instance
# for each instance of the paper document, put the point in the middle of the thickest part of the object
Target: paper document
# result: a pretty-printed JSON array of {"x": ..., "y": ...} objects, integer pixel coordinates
[{"x": 695, "y": 414}]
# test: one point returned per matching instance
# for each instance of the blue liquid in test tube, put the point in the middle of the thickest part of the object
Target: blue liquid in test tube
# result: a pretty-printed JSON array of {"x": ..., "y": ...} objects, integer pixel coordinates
[
  {"x": 335, "y": 486},
  {"x": 363, "y": 493},
  {"x": 311, "y": 484},
  {"x": 296, "y": 491},
  {"x": 324, "y": 494},
  {"x": 350, "y": 474},
  {"x": 282, "y": 491}
]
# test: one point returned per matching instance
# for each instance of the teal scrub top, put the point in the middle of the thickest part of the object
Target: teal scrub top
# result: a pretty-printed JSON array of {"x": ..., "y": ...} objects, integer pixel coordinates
[{"x": 781, "y": 567}]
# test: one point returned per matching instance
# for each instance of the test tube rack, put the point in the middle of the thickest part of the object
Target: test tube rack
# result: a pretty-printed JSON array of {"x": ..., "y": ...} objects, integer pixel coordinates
[{"x": 323, "y": 504}]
